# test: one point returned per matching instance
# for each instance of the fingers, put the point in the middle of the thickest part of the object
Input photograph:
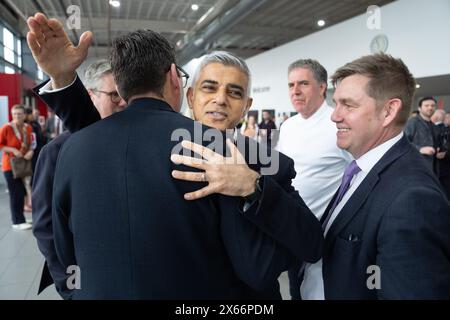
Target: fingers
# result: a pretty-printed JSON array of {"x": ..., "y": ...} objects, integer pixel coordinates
[
  {"x": 36, "y": 29},
  {"x": 188, "y": 161},
  {"x": 57, "y": 29},
  {"x": 44, "y": 25},
  {"x": 236, "y": 156},
  {"x": 189, "y": 176},
  {"x": 85, "y": 42},
  {"x": 206, "y": 191},
  {"x": 33, "y": 43},
  {"x": 45, "y": 28},
  {"x": 201, "y": 150}
]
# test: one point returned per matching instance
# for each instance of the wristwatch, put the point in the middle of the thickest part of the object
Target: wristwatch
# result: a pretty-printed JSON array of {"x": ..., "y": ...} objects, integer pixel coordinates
[{"x": 251, "y": 198}]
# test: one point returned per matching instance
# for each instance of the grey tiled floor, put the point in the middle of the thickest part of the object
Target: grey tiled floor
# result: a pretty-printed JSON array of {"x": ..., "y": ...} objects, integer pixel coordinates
[{"x": 21, "y": 262}]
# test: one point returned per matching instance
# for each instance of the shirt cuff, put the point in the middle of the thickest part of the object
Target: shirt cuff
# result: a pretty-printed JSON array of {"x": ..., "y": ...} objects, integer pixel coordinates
[{"x": 47, "y": 88}]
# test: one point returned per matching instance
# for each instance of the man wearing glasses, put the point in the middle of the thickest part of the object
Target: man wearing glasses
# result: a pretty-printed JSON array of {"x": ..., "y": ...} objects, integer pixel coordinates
[
  {"x": 103, "y": 91},
  {"x": 183, "y": 74}
]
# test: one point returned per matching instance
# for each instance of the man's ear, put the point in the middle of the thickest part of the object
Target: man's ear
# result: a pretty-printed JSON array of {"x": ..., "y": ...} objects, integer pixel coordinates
[
  {"x": 190, "y": 97},
  {"x": 91, "y": 94},
  {"x": 173, "y": 76},
  {"x": 323, "y": 88},
  {"x": 391, "y": 110}
]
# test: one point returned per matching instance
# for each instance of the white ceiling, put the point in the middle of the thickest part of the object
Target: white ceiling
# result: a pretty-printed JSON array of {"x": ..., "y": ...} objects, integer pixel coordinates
[{"x": 271, "y": 24}]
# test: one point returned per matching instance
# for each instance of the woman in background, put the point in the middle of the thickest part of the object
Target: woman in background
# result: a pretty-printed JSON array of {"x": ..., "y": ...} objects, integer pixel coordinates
[
  {"x": 250, "y": 128},
  {"x": 15, "y": 141}
]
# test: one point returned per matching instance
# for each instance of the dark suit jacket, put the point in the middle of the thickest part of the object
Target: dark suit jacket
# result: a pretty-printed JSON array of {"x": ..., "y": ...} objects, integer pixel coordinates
[
  {"x": 399, "y": 220},
  {"x": 42, "y": 215},
  {"x": 225, "y": 253}
]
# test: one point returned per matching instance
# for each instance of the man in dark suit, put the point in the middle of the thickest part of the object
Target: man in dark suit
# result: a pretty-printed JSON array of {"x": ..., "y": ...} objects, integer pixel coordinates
[
  {"x": 101, "y": 88},
  {"x": 170, "y": 248},
  {"x": 387, "y": 228}
]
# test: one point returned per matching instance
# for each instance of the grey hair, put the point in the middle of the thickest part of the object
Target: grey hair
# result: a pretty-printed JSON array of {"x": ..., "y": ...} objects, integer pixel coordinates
[
  {"x": 227, "y": 59},
  {"x": 319, "y": 72},
  {"x": 94, "y": 72},
  {"x": 439, "y": 115}
]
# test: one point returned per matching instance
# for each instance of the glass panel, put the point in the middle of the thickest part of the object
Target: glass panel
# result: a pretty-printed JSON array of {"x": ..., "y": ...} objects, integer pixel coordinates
[
  {"x": 8, "y": 39},
  {"x": 9, "y": 55},
  {"x": 9, "y": 70},
  {"x": 19, "y": 47}
]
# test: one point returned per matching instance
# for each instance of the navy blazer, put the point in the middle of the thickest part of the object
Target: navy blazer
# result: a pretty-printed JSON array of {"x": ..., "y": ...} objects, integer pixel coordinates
[
  {"x": 258, "y": 244},
  {"x": 53, "y": 271},
  {"x": 399, "y": 220}
]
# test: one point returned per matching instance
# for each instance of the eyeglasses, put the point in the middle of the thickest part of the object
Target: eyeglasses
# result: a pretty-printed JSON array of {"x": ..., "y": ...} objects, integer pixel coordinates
[
  {"x": 184, "y": 75},
  {"x": 113, "y": 95}
]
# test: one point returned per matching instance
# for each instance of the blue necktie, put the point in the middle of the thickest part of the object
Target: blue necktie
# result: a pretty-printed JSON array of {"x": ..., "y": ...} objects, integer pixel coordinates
[{"x": 350, "y": 171}]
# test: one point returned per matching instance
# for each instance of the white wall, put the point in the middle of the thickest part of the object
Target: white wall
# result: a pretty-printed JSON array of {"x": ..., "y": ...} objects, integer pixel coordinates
[{"x": 418, "y": 32}]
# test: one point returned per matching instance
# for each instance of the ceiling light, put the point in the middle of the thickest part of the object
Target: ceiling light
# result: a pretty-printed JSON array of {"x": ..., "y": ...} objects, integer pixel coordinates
[
  {"x": 194, "y": 7},
  {"x": 114, "y": 3},
  {"x": 321, "y": 23},
  {"x": 417, "y": 86}
]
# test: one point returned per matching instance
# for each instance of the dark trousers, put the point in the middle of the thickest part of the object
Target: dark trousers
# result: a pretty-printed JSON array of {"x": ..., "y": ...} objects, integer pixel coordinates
[{"x": 17, "y": 194}]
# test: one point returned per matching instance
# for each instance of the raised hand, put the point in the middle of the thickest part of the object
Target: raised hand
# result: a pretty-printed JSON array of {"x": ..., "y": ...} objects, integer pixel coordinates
[
  {"x": 229, "y": 176},
  {"x": 53, "y": 51}
]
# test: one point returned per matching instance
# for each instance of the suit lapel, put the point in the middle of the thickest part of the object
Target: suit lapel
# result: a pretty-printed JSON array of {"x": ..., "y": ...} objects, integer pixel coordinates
[{"x": 351, "y": 208}]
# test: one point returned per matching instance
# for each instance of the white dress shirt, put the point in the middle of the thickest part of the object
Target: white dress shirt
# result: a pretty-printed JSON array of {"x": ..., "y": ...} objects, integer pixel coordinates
[
  {"x": 319, "y": 163},
  {"x": 47, "y": 88},
  {"x": 312, "y": 285}
]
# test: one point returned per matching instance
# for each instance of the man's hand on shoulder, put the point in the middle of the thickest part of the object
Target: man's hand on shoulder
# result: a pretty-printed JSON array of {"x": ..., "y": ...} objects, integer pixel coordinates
[{"x": 229, "y": 176}]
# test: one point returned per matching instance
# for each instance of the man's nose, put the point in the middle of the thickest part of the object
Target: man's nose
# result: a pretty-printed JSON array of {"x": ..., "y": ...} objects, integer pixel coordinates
[
  {"x": 220, "y": 97},
  {"x": 336, "y": 115},
  {"x": 297, "y": 89}
]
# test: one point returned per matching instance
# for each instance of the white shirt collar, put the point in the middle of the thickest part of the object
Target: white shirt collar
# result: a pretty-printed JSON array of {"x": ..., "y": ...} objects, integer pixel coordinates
[
  {"x": 368, "y": 160},
  {"x": 316, "y": 115}
]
